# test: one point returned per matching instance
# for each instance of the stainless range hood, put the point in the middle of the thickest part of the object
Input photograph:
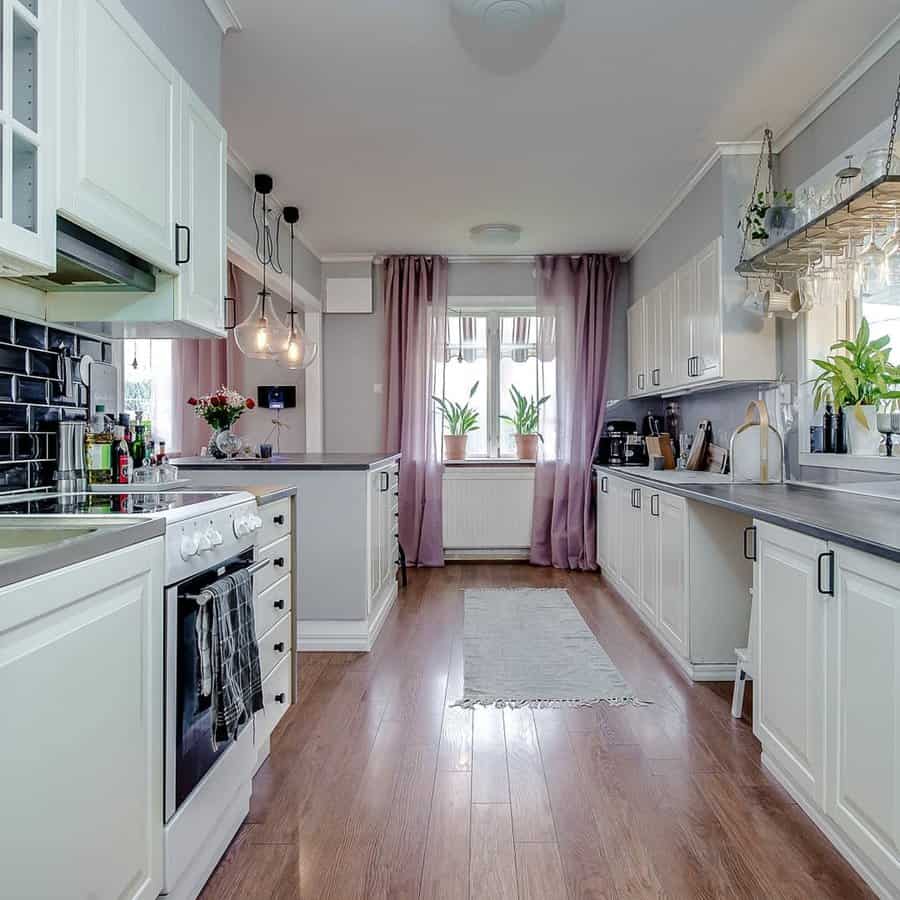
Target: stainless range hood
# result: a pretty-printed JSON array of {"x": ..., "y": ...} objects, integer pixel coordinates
[{"x": 87, "y": 263}]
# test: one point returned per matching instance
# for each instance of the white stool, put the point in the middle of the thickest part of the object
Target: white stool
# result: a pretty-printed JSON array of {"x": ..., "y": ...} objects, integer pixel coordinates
[{"x": 744, "y": 668}]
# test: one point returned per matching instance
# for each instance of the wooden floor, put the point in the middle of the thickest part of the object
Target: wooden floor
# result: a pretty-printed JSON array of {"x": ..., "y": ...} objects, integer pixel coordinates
[{"x": 377, "y": 788}]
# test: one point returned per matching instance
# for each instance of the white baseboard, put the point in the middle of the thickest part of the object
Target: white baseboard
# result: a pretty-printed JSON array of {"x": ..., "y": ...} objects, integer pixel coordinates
[
  {"x": 513, "y": 555},
  {"x": 864, "y": 869},
  {"x": 341, "y": 636}
]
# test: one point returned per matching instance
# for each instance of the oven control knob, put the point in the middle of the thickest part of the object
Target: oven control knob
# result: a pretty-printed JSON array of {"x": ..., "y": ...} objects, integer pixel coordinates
[
  {"x": 203, "y": 541},
  {"x": 241, "y": 527},
  {"x": 189, "y": 546},
  {"x": 255, "y": 522},
  {"x": 215, "y": 536}
]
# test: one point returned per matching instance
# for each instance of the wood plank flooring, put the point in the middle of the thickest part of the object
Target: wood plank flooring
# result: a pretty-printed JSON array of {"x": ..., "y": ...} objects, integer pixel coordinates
[{"x": 377, "y": 788}]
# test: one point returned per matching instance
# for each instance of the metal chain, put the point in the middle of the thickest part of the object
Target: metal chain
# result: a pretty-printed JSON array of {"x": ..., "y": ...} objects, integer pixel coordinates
[
  {"x": 890, "y": 156},
  {"x": 765, "y": 146}
]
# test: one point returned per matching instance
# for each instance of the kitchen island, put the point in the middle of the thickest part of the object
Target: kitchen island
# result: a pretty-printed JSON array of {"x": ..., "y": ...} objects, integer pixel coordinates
[{"x": 345, "y": 539}]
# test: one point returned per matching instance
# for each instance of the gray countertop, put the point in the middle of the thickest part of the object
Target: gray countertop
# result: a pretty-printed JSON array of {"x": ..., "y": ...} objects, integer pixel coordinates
[
  {"x": 339, "y": 462},
  {"x": 867, "y": 523},
  {"x": 50, "y": 557}
]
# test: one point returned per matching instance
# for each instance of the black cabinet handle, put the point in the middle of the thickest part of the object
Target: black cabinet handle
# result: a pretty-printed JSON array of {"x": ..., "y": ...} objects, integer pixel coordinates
[
  {"x": 829, "y": 555},
  {"x": 750, "y": 554},
  {"x": 280, "y": 698},
  {"x": 655, "y": 377},
  {"x": 278, "y": 604},
  {"x": 278, "y": 562},
  {"x": 604, "y": 484},
  {"x": 636, "y": 498},
  {"x": 385, "y": 481},
  {"x": 278, "y": 520},
  {"x": 654, "y": 510},
  {"x": 179, "y": 261},
  {"x": 279, "y": 647},
  {"x": 641, "y": 381}
]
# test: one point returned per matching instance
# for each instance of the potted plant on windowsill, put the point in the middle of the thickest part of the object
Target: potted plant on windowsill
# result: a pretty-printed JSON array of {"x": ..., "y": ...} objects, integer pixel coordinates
[
  {"x": 857, "y": 379},
  {"x": 461, "y": 421},
  {"x": 525, "y": 422}
]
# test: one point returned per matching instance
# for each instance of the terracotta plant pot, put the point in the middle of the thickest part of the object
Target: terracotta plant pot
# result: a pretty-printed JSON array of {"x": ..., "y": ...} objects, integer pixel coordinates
[
  {"x": 455, "y": 446},
  {"x": 527, "y": 446}
]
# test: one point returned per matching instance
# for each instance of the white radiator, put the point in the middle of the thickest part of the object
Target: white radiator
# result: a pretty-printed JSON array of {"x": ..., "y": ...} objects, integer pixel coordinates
[{"x": 487, "y": 510}]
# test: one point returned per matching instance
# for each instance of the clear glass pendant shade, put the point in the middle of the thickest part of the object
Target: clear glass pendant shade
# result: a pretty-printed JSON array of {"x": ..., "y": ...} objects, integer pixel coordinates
[
  {"x": 300, "y": 352},
  {"x": 262, "y": 335}
]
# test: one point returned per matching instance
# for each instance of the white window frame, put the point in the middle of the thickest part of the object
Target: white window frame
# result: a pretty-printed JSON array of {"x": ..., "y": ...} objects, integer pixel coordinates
[{"x": 493, "y": 308}]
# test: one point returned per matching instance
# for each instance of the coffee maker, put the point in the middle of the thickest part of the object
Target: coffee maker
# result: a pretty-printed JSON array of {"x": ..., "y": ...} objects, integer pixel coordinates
[
  {"x": 614, "y": 449},
  {"x": 70, "y": 475}
]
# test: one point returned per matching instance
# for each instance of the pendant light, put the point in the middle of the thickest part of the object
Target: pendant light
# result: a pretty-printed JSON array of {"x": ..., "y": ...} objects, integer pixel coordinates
[
  {"x": 262, "y": 335},
  {"x": 299, "y": 352}
]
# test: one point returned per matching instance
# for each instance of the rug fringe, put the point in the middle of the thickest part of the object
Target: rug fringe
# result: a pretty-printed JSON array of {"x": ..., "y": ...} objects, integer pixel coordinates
[{"x": 470, "y": 703}]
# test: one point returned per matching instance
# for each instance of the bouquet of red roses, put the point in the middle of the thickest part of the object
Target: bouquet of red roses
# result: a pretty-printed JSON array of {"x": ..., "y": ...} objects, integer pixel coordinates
[{"x": 222, "y": 409}]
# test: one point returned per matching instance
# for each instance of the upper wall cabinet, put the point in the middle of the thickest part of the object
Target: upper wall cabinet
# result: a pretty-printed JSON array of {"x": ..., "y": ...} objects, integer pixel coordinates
[
  {"x": 27, "y": 137},
  {"x": 695, "y": 332},
  {"x": 119, "y": 108}
]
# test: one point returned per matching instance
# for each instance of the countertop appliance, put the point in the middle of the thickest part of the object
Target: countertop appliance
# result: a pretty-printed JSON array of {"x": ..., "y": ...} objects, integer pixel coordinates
[
  {"x": 612, "y": 448},
  {"x": 207, "y": 792},
  {"x": 70, "y": 466}
]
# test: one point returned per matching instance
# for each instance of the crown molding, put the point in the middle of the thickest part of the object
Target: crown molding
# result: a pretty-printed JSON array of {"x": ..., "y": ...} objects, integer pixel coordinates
[
  {"x": 874, "y": 52},
  {"x": 245, "y": 173},
  {"x": 723, "y": 148},
  {"x": 225, "y": 16},
  {"x": 348, "y": 258}
]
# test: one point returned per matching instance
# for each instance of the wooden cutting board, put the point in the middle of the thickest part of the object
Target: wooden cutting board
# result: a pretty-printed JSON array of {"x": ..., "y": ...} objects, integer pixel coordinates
[
  {"x": 697, "y": 458},
  {"x": 716, "y": 459}
]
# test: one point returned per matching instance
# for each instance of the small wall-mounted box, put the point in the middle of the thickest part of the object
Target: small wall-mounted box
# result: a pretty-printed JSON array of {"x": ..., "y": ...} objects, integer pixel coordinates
[{"x": 348, "y": 295}]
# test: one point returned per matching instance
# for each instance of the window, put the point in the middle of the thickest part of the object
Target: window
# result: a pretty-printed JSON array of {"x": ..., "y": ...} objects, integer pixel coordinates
[
  {"x": 497, "y": 349},
  {"x": 148, "y": 388}
]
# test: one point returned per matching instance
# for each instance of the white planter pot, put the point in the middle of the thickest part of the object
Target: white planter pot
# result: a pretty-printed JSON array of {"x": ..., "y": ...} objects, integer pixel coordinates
[{"x": 862, "y": 441}]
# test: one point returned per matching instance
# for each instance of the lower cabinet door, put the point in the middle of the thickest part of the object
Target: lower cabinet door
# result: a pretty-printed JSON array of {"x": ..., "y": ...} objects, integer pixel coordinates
[
  {"x": 863, "y": 749},
  {"x": 604, "y": 521},
  {"x": 790, "y": 687},
  {"x": 628, "y": 518},
  {"x": 648, "y": 598},
  {"x": 674, "y": 620},
  {"x": 81, "y": 759}
]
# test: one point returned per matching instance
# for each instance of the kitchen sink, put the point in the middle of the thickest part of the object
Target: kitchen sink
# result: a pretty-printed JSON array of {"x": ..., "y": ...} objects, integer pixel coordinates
[{"x": 18, "y": 540}]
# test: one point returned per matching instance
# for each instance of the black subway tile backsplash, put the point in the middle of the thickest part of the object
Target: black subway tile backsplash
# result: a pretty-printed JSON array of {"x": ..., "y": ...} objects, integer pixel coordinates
[
  {"x": 59, "y": 340},
  {"x": 14, "y": 478},
  {"x": 30, "y": 390},
  {"x": 29, "y": 446},
  {"x": 90, "y": 347},
  {"x": 6, "y": 387},
  {"x": 30, "y": 334},
  {"x": 43, "y": 418},
  {"x": 43, "y": 364},
  {"x": 13, "y": 417},
  {"x": 6, "y": 325},
  {"x": 6, "y": 447},
  {"x": 14, "y": 360}
]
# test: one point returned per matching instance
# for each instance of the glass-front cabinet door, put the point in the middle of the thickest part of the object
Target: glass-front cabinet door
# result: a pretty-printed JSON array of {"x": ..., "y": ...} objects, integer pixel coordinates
[{"x": 27, "y": 136}]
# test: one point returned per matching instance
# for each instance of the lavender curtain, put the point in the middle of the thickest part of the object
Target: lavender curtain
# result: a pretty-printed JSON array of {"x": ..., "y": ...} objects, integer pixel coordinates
[
  {"x": 201, "y": 366},
  {"x": 574, "y": 308},
  {"x": 415, "y": 304}
]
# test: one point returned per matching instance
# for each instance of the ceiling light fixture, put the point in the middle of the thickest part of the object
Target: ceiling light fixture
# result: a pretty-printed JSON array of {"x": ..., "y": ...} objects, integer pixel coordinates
[
  {"x": 299, "y": 352},
  {"x": 509, "y": 15},
  {"x": 495, "y": 235},
  {"x": 262, "y": 335}
]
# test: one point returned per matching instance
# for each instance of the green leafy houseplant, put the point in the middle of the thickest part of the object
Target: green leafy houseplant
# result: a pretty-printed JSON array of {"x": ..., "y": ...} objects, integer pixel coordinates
[
  {"x": 527, "y": 413},
  {"x": 461, "y": 419},
  {"x": 755, "y": 216}
]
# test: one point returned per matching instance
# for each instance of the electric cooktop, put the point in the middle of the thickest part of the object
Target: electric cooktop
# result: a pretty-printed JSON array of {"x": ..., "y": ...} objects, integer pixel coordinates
[{"x": 132, "y": 504}]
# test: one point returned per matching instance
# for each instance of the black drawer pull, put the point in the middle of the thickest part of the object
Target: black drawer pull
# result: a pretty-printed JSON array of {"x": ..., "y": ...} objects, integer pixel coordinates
[
  {"x": 279, "y": 647},
  {"x": 179, "y": 259},
  {"x": 280, "y": 698},
  {"x": 750, "y": 554},
  {"x": 278, "y": 604},
  {"x": 278, "y": 562},
  {"x": 654, "y": 510},
  {"x": 278, "y": 520},
  {"x": 604, "y": 484},
  {"x": 829, "y": 555}
]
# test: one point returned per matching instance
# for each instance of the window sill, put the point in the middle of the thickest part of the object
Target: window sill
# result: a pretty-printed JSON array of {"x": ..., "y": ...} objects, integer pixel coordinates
[
  {"x": 848, "y": 462},
  {"x": 489, "y": 463}
]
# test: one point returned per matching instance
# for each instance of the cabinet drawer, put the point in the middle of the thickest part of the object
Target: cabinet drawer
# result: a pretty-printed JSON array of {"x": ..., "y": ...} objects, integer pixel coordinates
[
  {"x": 274, "y": 646},
  {"x": 280, "y": 554},
  {"x": 276, "y": 522},
  {"x": 271, "y": 604},
  {"x": 276, "y": 690}
]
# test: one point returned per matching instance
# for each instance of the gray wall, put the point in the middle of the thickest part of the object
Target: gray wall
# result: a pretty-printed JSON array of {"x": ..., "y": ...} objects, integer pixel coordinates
[
  {"x": 189, "y": 36},
  {"x": 307, "y": 268}
]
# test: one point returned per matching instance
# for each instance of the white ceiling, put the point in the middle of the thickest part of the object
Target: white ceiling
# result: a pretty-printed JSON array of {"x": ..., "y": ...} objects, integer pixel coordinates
[{"x": 374, "y": 119}]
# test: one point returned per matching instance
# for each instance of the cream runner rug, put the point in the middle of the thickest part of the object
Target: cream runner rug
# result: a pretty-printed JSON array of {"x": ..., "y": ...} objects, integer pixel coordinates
[{"x": 530, "y": 647}]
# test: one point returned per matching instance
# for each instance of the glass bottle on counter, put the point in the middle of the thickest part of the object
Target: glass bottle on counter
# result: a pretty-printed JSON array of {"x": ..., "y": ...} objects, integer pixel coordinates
[
  {"x": 121, "y": 457},
  {"x": 137, "y": 446},
  {"x": 98, "y": 449},
  {"x": 828, "y": 429},
  {"x": 840, "y": 434}
]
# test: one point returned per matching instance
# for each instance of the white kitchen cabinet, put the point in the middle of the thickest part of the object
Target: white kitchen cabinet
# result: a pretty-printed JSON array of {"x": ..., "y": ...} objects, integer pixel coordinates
[
  {"x": 202, "y": 221},
  {"x": 628, "y": 517},
  {"x": 700, "y": 336},
  {"x": 28, "y": 137},
  {"x": 120, "y": 113},
  {"x": 81, "y": 671},
  {"x": 382, "y": 532},
  {"x": 648, "y": 598},
  {"x": 607, "y": 531},
  {"x": 789, "y": 691},
  {"x": 863, "y": 719},
  {"x": 673, "y": 599},
  {"x": 637, "y": 374}
]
